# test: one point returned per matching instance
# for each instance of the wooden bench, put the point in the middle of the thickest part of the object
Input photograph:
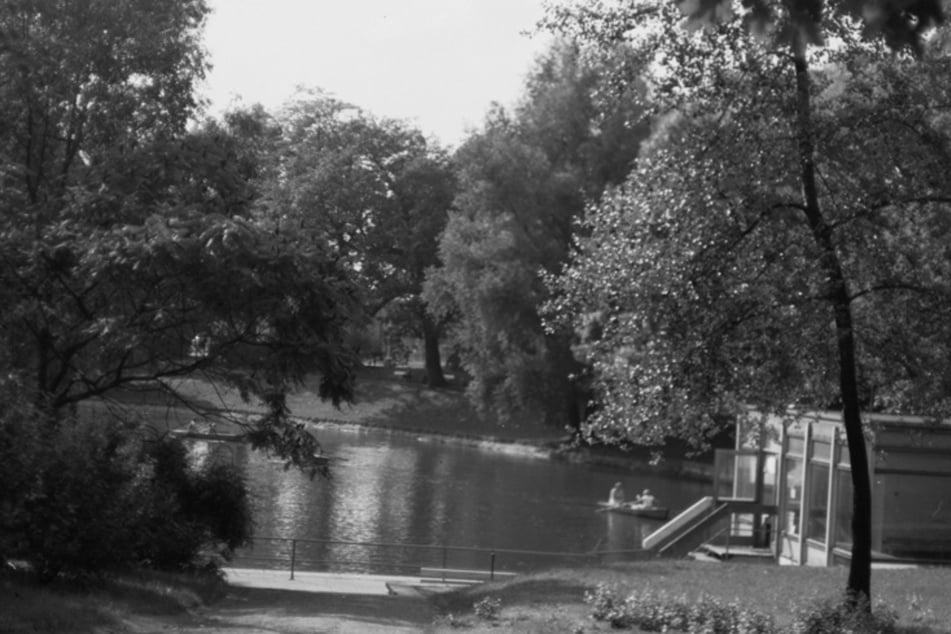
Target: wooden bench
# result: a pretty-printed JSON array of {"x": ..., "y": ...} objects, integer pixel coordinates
[{"x": 456, "y": 575}]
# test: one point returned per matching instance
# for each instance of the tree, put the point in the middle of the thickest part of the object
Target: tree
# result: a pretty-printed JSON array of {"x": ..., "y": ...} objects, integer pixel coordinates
[
  {"x": 791, "y": 189},
  {"x": 375, "y": 193},
  {"x": 126, "y": 239},
  {"x": 524, "y": 180},
  {"x": 900, "y": 24}
]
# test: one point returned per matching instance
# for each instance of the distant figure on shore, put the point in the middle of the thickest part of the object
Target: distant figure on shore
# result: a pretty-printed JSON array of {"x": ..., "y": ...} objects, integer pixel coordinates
[
  {"x": 616, "y": 497},
  {"x": 646, "y": 500}
]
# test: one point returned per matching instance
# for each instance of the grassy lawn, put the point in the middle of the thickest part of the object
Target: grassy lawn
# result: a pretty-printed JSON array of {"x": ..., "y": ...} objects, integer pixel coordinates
[
  {"x": 552, "y": 601},
  {"x": 387, "y": 400},
  {"x": 548, "y": 601}
]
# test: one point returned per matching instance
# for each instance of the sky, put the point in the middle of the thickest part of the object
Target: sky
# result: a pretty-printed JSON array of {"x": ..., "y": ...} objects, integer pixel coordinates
[{"x": 436, "y": 63}]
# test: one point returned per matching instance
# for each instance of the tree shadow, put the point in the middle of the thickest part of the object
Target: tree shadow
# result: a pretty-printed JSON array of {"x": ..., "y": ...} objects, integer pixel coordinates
[
  {"x": 515, "y": 592},
  {"x": 242, "y": 604}
]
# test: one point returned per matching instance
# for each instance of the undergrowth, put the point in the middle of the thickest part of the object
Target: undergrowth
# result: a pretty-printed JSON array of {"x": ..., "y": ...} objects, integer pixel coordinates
[{"x": 660, "y": 612}]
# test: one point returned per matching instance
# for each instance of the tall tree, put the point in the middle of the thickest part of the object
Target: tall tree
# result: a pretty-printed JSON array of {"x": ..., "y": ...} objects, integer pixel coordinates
[
  {"x": 765, "y": 251},
  {"x": 524, "y": 180},
  {"x": 373, "y": 191},
  {"x": 125, "y": 238}
]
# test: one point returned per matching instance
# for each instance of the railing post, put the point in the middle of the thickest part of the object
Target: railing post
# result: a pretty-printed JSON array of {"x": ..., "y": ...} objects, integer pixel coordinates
[
  {"x": 492, "y": 566},
  {"x": 444, "y": 563},
  {"x": 293, "y": 556}
]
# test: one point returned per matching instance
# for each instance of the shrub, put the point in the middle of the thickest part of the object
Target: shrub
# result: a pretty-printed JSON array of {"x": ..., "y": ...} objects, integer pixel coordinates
[
  {"x": 710, "y": 615},
  {"x": 605, "y": 606},
  {"x": 488, "y": 608},
  {"x": 79, "y": 512},
  {"x": 192, "y": 510},
  {"x": 87, "y": 497},
  {"x": 219, "y": 501},
  {"x": 653, "y": 612},
  {"x": 19, "y": 446},
  {"x": 839, "y": 616},
  {"x": 657, "y": 612}
]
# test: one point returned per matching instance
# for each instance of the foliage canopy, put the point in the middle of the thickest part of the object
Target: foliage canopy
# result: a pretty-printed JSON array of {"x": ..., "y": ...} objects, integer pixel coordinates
[{"x": 132, "y": 253}]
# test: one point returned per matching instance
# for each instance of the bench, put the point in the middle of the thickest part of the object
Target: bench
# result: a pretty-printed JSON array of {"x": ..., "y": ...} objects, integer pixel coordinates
[{"x": 460, "y": 576}]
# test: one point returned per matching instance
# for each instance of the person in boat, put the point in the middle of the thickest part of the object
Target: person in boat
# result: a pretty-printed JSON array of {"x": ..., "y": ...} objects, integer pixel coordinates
[
  {"x": 645, "y": 500},
  {"x": 616, "y": 497}
]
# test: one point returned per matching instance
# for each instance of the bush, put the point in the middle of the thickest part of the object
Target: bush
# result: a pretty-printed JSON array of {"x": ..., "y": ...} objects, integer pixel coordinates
[
  {"x": 656, "y": 612},
  {"x": 652, "y": 612},
  {"x": 488, "y": 608},
  {"x": 79, "y": 512},
  {"x": 604, "y": 603},
  {"x": 711, "y": 615},
  {"x": 19, "y": 447},
  {"x": 192, "y": 511},
  {"x": 839, "y": 616},
  {"x": 90, "y": 497}
]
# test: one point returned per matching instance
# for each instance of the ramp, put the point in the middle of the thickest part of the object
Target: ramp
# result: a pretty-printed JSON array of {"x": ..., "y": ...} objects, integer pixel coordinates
[
  {"x": 699, "y": 524},
  {"x": 678, "y": 524}
]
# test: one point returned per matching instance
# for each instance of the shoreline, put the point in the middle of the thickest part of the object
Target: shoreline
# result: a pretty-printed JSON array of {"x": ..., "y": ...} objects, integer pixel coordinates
[{"x": 551, "y": 449}]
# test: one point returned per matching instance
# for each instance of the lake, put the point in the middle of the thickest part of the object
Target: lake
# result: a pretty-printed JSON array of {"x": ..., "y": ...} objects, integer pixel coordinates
[{"x": 398, "y": 501}]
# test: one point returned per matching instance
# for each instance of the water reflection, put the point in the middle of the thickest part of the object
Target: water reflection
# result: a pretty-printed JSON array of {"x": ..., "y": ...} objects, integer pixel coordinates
[{"x": 396, "y": 489}]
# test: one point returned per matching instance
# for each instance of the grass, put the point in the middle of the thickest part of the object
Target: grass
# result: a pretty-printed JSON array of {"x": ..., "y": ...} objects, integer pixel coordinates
[
  {"x": 549, "y": 601},
  {"x": 115, "y": 604},
  {"x": 385, "y": 400},
  {"x": 553, "y": 600}
]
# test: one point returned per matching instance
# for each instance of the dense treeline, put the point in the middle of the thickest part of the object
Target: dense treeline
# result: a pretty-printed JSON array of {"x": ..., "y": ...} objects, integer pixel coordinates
[{"x": 524, "y": 181}]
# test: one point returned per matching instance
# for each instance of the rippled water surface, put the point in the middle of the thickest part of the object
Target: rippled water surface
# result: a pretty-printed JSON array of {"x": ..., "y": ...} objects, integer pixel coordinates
[{"x": 401, "y": 489}]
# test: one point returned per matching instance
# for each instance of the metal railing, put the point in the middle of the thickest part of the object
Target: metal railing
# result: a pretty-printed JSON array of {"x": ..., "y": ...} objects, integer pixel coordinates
[{"x": 297, "y": 554}]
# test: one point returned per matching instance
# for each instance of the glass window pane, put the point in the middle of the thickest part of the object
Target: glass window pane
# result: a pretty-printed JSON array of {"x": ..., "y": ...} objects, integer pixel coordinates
[
  {"x": 769, "y": 479},
  {"x": 796, "y": 445},
  {"x": 916, "y": 515},
  {"x": 821, "y": 450},
  {"x": 793, "y": 494},
  {"x": 745, "y": 477},
  {"x": 843, "y": 509},
  {"x": 818, "y": 502}
]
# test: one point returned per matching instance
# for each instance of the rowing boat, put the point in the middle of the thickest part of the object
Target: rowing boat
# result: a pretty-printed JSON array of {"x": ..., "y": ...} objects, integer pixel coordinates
[{"x": 632, "y": 508}]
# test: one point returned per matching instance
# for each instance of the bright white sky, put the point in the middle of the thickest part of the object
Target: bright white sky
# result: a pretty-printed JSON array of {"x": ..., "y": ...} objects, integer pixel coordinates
[{"x": 437, "y": 63}]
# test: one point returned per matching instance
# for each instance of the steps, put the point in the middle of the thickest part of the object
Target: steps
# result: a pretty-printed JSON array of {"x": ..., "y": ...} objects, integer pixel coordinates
[
  {"x": 747, "y": 554},
  {"x": 707, "y": 521}
]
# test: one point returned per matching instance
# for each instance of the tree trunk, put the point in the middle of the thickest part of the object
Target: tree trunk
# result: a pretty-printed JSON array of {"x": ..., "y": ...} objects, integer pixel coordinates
[
  {"x": 860, "y": 571},
  {"x": 575, "y": 390},
  {"x": 434, "y": 373}
]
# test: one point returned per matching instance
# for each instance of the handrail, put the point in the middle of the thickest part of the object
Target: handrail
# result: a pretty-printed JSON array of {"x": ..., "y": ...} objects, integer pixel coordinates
[
  {"x": 295, "y": 558},
  {"x": 716, "y": 514},
  {"x": 678, "y": 523},
  {"x": 475, "y": 549}
]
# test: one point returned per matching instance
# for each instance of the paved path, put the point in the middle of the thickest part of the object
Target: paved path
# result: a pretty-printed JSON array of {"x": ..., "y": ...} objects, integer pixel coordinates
[
  {"x": 327, "y": 582},
  {"x": 270, "y": 602}
]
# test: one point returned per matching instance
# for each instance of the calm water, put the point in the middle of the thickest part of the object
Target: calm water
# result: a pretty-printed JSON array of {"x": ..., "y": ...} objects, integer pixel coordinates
[{"x": 400, "y": 489}]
